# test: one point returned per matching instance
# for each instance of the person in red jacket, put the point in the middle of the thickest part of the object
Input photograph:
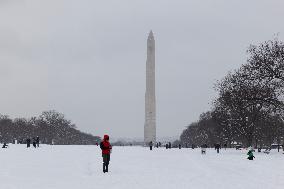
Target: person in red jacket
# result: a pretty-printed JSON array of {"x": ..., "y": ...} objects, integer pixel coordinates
[{"x": 106, "y": 150}]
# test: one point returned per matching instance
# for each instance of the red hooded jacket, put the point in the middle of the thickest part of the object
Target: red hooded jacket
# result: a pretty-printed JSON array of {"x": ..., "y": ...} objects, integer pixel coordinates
[{"x": 105, "y": 145}]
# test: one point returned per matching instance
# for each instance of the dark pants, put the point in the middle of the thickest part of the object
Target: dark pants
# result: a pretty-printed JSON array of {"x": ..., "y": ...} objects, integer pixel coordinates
[
  {"x": 251, "y": 157},
  {"x": 151, "y": 147},
  {"x": 218, "y": 150},
  {"x": 106, "y": 159}
]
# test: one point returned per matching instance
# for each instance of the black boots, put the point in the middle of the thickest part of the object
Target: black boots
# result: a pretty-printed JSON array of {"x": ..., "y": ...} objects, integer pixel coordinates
[{"x": 105, "y": 167}]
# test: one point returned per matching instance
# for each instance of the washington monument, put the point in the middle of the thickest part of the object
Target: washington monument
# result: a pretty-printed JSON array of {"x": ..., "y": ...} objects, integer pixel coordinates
[{"x": 150, "y": 97}]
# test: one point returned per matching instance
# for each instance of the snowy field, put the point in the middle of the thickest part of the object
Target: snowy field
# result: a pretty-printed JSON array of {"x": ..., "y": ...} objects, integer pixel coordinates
[{"x": 80, "y": 167}]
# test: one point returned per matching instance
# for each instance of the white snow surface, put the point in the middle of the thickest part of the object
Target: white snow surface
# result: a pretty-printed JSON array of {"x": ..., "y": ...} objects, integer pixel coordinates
[{"x": 80, "y": 167}]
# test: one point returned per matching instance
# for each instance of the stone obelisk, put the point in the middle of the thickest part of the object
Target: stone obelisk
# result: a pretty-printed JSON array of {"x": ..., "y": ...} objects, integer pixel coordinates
[{"x": 150, "y": 97}]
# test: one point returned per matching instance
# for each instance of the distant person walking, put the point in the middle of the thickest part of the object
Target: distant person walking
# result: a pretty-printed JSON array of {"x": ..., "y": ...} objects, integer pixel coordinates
[
  {"x": 28, "y": 142},
  {"x": 217, "y": 147},
  {"x": 106, "y": 150},
  {"x": 151, "y": 145},
  {"x": 34, "y": 142},
  {"x": 37, "y": 141}
]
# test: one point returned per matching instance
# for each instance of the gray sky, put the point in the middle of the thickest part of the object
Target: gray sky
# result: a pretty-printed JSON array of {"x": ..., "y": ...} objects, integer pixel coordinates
[{"x": 86, "y": 58}]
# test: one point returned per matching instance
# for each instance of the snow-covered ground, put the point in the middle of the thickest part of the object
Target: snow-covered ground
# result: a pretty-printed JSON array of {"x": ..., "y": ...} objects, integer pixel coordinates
[{"x": 80, "y": 167}]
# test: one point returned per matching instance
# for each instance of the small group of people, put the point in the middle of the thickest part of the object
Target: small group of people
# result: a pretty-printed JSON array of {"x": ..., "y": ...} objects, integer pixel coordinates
[
  {"x": 218, "y": 147},
  {"x": 159, "y": 144},
  {"x": 35, "y": 142},
  {"x": 169, "y": 145}
]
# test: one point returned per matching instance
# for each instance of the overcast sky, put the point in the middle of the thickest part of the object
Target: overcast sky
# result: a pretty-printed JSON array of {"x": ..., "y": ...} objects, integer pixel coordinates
[{"x": 86, "y": 58}]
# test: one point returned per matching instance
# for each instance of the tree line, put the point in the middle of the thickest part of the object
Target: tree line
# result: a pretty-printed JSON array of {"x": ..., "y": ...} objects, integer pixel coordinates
[
  {"x": 249, "y": 106},
  {"x": 50, "y": 126}
]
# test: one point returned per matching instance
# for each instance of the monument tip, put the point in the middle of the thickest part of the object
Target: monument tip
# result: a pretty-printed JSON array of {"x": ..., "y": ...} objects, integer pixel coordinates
[{"x": 151, "y": 34}]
